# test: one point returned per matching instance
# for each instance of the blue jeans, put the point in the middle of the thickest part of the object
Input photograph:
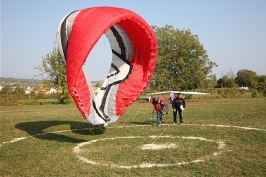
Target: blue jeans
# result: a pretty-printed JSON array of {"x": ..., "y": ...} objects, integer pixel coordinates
[{"x": 159, "y": 118}]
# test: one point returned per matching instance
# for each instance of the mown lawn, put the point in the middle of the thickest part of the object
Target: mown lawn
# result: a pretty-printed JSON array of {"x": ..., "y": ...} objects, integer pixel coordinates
[{"x": 220, "y": 137}]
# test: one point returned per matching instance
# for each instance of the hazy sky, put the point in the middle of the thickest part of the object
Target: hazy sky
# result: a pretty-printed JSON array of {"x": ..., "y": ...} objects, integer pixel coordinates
[{"x": 233, "y": 32}]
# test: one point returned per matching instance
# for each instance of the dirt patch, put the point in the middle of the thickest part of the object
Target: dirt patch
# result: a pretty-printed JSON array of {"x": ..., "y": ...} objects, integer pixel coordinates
[{"x": 157, "y": 146}]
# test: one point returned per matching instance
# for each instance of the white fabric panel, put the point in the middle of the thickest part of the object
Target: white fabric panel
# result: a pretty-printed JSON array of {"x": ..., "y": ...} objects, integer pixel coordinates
[{"x": 92, "y": 116}]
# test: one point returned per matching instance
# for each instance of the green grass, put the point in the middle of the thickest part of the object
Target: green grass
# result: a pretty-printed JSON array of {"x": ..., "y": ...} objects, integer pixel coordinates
[{"x": 51, "y": 140}]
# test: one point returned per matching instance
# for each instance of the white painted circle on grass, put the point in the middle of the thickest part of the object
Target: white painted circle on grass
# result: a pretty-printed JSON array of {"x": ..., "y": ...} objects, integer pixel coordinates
[{"x": 78, "y": 151}]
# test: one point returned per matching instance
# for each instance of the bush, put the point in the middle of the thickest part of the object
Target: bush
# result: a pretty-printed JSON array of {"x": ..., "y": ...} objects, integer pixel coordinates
[
  {"x": 255, "y": 94},
  {"x": 230, "y": 93},
  {"x": 264, "y": 93},
  {"x": 10, "y": 99}
]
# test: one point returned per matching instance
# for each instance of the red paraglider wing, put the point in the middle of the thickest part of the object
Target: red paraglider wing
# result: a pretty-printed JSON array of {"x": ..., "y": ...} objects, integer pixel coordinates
[{"x": 79, "y": 31}]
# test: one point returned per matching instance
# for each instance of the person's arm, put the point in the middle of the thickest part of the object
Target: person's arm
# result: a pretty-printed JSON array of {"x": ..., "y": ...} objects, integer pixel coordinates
[{"x": 173, "y": 104}]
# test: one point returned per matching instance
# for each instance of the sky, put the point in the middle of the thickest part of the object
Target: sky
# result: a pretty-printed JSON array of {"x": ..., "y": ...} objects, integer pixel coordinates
[{"x": 233, "y": 32}]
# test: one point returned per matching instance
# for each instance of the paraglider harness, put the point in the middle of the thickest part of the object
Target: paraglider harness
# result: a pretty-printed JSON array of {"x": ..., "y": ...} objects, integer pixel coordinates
[{"x": 164, "y": 104}]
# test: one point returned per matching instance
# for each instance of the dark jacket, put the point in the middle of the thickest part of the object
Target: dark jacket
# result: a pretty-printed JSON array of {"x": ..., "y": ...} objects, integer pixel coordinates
[{"x": 177, "y": 102}]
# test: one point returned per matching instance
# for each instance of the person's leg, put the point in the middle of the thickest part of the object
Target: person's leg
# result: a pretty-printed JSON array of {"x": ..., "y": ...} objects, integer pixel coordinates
[
  {"x": 159, "y": 118},
  {"x": 174, "y": 114},
  {"x": 180, "y": 112}
]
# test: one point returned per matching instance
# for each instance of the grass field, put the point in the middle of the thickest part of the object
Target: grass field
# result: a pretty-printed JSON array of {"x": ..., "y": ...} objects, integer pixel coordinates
[{"x": 220, "y": 137}]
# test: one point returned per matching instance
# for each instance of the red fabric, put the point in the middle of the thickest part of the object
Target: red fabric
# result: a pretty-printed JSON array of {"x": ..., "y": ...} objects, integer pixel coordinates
[
  {"x": 161, "y": 97},
  {"x": 144, "y": 60},
  {"x": 88, "y": 27},
  {"x": 157, "y": 106}
]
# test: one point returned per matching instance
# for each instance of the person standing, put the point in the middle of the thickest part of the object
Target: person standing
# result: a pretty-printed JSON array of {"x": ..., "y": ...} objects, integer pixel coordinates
[
  {"x": 178, "y": 106},
  {"x": 158, "y": 108},
  {"x": 171, "y": 99}
]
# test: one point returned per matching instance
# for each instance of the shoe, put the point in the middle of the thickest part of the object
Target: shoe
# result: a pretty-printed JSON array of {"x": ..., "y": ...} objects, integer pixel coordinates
[
  {"x": 174, "y": 123},
  {"x": 159, "y": 125},
  {"x": 181, "y": 123}
]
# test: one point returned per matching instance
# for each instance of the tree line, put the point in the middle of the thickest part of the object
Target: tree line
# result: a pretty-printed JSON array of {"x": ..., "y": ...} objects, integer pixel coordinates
[{"x": 243, "y": 78}]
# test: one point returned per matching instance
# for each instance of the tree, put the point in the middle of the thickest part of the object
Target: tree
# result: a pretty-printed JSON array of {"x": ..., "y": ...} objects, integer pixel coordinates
[
  {"x": 19, "y": 90},
  {"x": 211, "y": 81},
  {"x": 227, "y": 81},
  {"x": 99, "y": 84},
  {"x": 6, "y": 90},
  {"x": 246, "y": 78},
  {"x": 53, "y": 66},
  {"x": 262, "y": 84},
  {"x": 182, "y": 62}
]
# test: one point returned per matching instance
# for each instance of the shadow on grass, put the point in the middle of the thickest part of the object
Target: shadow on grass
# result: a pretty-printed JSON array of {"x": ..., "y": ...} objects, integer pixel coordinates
[
  {"x": 142, "y": 123},
  {"x": 37, "y": 129}
]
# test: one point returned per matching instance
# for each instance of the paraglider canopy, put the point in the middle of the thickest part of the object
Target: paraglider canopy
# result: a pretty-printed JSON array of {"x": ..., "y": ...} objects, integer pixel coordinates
[{"x": 134, "y": 52}]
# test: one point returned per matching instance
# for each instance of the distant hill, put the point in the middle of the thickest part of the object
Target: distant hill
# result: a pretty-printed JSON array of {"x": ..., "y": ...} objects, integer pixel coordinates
[
  {"x": 6, "y": 80},
  {"x": 22, "y": 82},
  {"x": 18, "y": 80}
]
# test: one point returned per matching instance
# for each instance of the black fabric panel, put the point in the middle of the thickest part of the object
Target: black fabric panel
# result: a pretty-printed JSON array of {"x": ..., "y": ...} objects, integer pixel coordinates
[{"x": 63, "y": 33}]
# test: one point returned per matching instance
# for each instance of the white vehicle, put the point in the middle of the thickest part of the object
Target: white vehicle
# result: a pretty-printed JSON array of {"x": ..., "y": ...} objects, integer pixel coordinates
[{"x": 243, "y": 88}]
